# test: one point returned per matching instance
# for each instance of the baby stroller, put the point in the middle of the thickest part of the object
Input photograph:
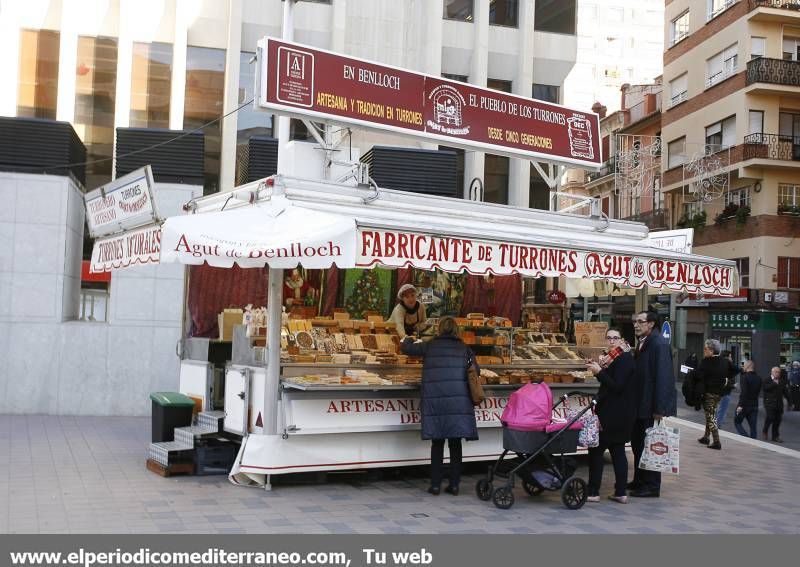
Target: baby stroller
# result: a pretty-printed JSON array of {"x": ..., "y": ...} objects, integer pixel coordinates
[{"x": 539, "y": 445}]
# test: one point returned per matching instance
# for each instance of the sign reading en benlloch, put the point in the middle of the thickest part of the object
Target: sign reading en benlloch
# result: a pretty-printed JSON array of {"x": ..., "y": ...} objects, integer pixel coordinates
[{"x": 307, "y": 82}]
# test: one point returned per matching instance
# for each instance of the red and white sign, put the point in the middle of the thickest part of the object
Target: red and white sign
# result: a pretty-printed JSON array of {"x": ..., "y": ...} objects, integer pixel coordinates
[
  {"x": 305, "y": 415},
  {"x": 274, "y": 233},
  {"x": 140, "y": 246},
  {"x": 125, "y": 203},
  {"x": 309, "y": 82},
  {"x": 427, "y": 252}
]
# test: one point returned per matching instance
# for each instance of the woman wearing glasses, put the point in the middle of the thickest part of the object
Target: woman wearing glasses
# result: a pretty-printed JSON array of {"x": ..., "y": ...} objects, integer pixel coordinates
[{"x": 616, "y": 410}]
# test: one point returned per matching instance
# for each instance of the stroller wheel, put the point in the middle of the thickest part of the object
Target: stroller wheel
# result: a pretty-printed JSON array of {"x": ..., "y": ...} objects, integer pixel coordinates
[
  {"x": 484, "y": 489},
  {"x": 503, "y": 497},
  {"x": 573, "y": 493},
  {"x": 532, "y": 488}
]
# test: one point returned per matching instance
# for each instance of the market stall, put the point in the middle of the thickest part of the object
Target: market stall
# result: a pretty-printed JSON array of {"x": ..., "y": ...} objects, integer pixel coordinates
[{"x": 304, "y": 404}]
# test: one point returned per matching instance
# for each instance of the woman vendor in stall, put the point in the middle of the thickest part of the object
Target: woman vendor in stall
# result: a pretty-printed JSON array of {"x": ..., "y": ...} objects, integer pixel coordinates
[{"x": 409, "y": 314}]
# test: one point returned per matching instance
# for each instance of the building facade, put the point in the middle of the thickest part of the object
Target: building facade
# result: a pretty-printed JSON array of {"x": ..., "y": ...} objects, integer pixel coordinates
[
  {"x": 619, "y": 42},
  {"x": 180, "y": 64},
  {"x": 143, "y": 69},
  {"x": 731, "y": 162}
]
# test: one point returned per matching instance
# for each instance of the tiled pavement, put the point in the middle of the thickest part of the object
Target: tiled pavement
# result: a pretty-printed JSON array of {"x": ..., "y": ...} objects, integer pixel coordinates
[
  {"x": 790, "y": 426},
  {"x": 87, "y": 475}
]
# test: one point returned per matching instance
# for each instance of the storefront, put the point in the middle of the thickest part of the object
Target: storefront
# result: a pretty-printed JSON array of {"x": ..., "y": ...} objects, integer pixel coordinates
[
  {"x": 769, "y": 338},
  {"x": 330, "y": 393},
  {"x": 315, "y": 380}
]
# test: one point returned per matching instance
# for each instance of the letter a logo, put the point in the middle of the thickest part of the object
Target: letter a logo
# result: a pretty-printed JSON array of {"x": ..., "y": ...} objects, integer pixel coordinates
[{"x": 297, "y": 68}]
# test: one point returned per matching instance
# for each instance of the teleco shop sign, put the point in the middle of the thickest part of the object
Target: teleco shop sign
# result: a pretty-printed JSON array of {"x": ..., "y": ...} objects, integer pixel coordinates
[
  {"x": 308, "y": 82},
  {"x": 402, "y": 249},
  {"x": 125, "y": 203}
]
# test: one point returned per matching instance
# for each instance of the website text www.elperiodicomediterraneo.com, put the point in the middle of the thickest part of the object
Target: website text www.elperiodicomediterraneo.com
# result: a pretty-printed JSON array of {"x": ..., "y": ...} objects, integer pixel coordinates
[{"x": 213, "y": 557}]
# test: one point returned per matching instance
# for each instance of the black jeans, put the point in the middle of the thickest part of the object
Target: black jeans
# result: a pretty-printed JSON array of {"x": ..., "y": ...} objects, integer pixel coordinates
[
  {"x": 618, "y": 459},
  {"x": 751, "y": 415},
  {"x": 437, "y": 461},
  {"x": 645, "y": 480},
  {"x": 774, "y": 418}
]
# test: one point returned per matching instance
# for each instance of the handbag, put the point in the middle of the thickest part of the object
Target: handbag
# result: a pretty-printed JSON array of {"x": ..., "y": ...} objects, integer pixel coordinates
[
  {"x": 474, "y": 381},
  {"x": 661, "y": 449},
  {"x": 589, "y": 435}
]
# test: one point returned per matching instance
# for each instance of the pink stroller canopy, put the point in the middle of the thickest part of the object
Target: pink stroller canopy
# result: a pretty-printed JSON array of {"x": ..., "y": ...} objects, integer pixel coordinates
[{"x": 529, "y": 409}]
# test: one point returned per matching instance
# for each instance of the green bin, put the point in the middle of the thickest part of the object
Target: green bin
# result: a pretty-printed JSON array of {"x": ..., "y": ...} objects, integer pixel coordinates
[{"x": 170, "y": 410}]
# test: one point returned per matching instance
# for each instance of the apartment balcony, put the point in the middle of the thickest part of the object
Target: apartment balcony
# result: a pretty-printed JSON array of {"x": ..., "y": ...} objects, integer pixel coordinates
[
  {"x": 606, "y": 173},
  {"x": 775, "y": 10},
  {"x": 657, "y": 219},
  {"x": 650, "y": 106},
  {"x": 773, "y": 150},
  {"x": 766, "y": 76}
]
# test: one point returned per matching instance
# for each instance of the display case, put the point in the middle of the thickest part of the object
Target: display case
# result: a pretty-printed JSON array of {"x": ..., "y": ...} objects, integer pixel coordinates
[{"x": 334, "y": 399}]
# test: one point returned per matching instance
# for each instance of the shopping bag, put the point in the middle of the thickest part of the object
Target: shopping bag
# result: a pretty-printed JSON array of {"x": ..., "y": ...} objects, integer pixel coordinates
[
  {"x": 589, "y": 435},
  {"x": 661, "y": 449}
]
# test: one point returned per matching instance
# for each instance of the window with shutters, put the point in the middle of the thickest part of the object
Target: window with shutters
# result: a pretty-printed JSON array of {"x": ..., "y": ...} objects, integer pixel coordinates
[
  {"x": 716, "y": 7},
  {"x": 743, "y": 267},
  {"x": 722, "y": 133},
  {"x": 788, "y": 273},
  {"x": 678, "y": 90},
  {"x": 789, "y": 195},
  {"x": 676, "y": 153},
  {"x": 679, "y": 28},
  {"x": 722, "y": 65},
  {"x": 739, "y": 197},
  {"x": 758, "y": 47}
]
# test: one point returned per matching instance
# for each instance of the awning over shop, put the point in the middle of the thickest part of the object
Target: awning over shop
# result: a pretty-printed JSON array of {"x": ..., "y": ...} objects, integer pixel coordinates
[{"x": 318, "y": 224}]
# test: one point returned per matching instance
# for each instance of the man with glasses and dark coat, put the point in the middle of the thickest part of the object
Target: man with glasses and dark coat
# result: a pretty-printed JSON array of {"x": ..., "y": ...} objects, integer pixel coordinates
[{"x": 657, "y": 397}]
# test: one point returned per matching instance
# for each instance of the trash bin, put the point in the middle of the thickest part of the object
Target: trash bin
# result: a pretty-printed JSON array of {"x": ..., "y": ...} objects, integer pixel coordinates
[{"x": 170, "y": 410}]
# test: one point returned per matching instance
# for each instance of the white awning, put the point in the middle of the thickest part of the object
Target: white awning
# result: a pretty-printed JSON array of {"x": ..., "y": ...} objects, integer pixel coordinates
[
  {"x": 318, "y": 224},
  {"x": 275, "y": 233}
]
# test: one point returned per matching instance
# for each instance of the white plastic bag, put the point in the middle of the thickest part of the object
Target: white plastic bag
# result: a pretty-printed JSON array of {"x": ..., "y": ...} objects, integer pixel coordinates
[{"x": 661, "y": 449}]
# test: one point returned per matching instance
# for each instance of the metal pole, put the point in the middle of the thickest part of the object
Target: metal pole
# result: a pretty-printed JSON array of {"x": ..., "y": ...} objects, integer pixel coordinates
[
  {"x": 275, "y": 286},
  {"x": 274, "y": 302},
  {"x": 287, "y": 33}
]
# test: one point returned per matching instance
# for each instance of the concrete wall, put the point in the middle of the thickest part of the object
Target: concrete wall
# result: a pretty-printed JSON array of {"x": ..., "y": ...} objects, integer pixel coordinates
[{"x": 49, "y": 361}]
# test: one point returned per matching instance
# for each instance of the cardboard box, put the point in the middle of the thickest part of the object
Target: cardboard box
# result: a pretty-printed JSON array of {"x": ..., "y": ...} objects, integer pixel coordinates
[
  {"x": 226, "y": 321},
  {"x": 591, "y": 334}
]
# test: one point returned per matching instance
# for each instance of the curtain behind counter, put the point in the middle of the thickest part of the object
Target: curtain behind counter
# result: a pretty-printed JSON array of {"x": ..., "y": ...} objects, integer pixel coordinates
[
  {"x": 494, "y": 296},
  {"x": 211, "y": 290}
]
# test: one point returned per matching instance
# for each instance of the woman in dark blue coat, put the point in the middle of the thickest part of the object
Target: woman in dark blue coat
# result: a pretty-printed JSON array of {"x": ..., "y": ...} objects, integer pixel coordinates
[{"x": 447, "y": 410}]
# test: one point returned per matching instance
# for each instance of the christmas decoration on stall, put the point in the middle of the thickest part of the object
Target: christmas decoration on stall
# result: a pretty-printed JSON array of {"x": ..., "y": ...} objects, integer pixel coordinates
[{"x": 367, "y": 295}]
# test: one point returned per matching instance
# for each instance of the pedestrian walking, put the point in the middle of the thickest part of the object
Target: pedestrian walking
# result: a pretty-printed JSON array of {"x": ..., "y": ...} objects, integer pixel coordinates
[
  {"x": 794, "y": 385},
  {"x": 713, "y": 371},
  {"x": 747, "y": 408},
  {"x": 447, "y": 410},
  {"x": 616, "y": 401},
  {"x": 656, "y": 396},
  {"x": 775, "y": 389},
  {"x": 724, "y": 402}
]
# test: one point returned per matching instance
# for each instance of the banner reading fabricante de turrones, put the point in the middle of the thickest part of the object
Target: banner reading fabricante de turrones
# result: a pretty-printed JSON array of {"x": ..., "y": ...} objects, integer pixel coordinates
[{"x": 303, "y": 81}]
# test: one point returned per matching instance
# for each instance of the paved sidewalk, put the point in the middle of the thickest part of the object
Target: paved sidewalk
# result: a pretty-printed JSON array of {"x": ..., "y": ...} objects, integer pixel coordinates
[
  {"x": 87, "y": 475},
  {"x": 790, "y": 426}
]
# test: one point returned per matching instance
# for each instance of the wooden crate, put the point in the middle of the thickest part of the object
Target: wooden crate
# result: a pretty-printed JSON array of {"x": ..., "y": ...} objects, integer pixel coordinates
[{"x": 172, "y": 470}]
